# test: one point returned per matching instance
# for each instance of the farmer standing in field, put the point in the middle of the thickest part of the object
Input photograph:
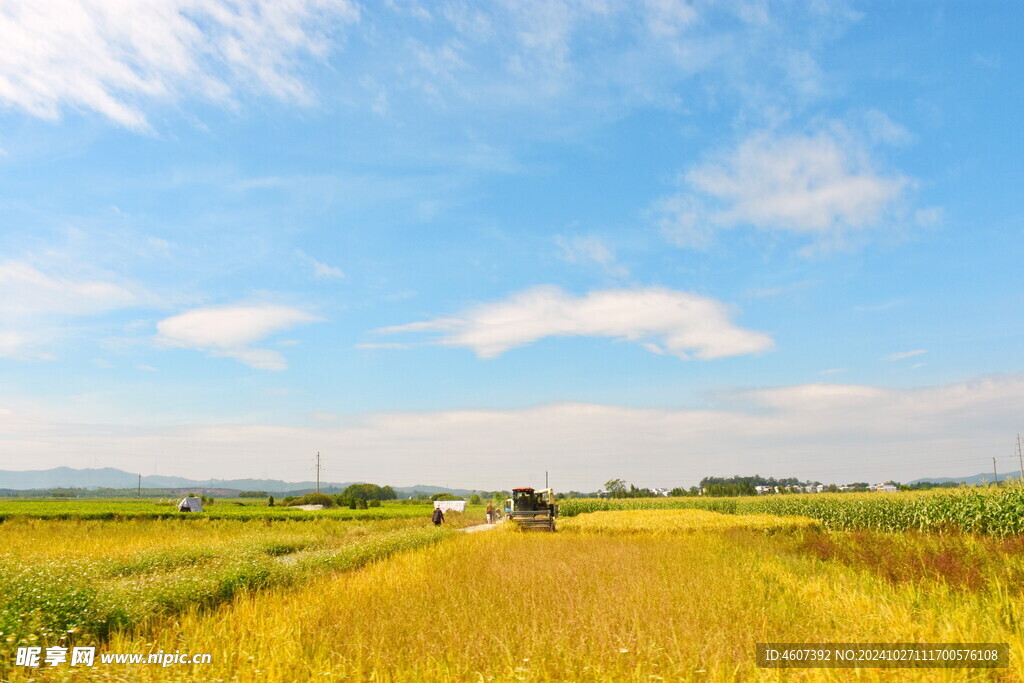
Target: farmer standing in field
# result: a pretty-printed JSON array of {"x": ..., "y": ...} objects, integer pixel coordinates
[
  {"x": 438, "y": 516},
  {"x": 490, "y": 512}
]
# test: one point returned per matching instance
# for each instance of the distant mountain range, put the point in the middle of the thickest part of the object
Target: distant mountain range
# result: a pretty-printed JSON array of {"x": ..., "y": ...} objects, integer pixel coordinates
[
  {"x": 108, "y": 477},
  {"x": 976, "y": 479}
]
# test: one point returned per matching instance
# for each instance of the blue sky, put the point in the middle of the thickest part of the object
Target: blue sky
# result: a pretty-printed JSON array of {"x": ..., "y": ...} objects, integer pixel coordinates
[{"x": 467, "y": 243}]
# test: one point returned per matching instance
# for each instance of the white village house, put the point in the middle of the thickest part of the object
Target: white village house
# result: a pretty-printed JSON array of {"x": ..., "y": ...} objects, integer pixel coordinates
[
  {"x": 448, "y": 505},
  {"x": 190, "y": 504}
]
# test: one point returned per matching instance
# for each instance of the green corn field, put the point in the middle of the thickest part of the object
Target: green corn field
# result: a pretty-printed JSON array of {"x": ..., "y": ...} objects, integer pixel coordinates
[{"x": 991, "y": 511}]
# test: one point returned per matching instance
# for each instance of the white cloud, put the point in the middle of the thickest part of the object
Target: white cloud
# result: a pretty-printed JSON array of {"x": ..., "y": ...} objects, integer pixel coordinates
[
  {"x": 35, "y": 301},
  {"x": 29, "y": 291},
  {"x": 828, "y": 432},
  {"x": 929, "y": 216},
  {"x": 680, "y": 323},
  {"x": 881, "y": 306},
  {"x": 19, "y": 345},
  {"x": 321, "y": 270},
  {"x": 683, "y": 221},
  {"x": 800, "y": 184},
  {"x": 231, "y": 330},
  {"x": 590, "y": 250},
  {"x": 668, "y": 18},
  {"x": 880, "y": 128},
  {"x": 822, "y": 185},
  {"x": 110, "y": 56},
  {"x": 905, "y": 354}
]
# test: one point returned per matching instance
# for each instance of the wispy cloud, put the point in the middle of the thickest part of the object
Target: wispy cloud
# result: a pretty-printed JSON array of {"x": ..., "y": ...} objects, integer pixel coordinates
[
  {"x": 588, "y": 61},
  {"x": 905, "y": 354},
  {"x": 590, "y": 250},
  {"x": 881, "y": 306},
  {"x": 783, "y": 289},
  {"x": 29, "y": 291},
  {"x": 580, "y": 62},
  {"x": 321, "y": 270},
  {"x": 820, "y": 185},
  {"x": 662, "y": 320},
  {"x": 230, "y": 331},
  {"x": 110, "y": 57},
  {"x": 37, "y": 303}
]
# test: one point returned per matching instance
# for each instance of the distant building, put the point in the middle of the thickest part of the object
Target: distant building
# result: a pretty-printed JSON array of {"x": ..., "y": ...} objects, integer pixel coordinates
[
  {"x": 190, "y": 504},
  {"x": 450, "y": 505},
  {"x": 888, "y": 487}
]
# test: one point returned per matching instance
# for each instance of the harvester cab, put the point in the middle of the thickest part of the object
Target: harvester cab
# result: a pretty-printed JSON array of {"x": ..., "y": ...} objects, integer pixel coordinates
[{"x": 531, "y": 509}]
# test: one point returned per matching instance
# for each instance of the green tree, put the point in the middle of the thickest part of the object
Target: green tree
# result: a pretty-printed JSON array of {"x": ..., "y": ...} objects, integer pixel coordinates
[
  {"x": 474, "y": 499},
  {"x": 369, "y": 492},
  {"x": 616, "y": 488},
  {"x": 314, "y": 499}
]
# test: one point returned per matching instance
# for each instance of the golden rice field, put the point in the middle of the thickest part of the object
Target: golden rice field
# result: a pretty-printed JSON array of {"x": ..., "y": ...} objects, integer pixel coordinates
[
  {"x": 619, "y": 596},
  {"x": 681, "y": 521},
  {"x": 62, "y": 580}
]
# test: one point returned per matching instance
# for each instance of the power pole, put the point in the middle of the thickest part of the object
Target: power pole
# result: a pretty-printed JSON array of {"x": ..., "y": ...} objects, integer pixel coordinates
[
  {"x": 318, "y": 471},
  {"x": 994, "y": 469},
  {"x": 140, "y": 486},
  {"x": 545, "y": 478},
  {"x": 1020, "y": 458}
]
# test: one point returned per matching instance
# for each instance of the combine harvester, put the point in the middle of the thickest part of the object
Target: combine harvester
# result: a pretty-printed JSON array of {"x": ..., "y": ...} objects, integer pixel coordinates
[{"x": 532, "y": 510}]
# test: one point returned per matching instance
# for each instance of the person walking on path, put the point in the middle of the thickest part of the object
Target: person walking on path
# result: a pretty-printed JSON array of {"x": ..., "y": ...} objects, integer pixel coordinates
[
  {"x": 438, "y": 516},
  {"x": 490, "y": 512}
]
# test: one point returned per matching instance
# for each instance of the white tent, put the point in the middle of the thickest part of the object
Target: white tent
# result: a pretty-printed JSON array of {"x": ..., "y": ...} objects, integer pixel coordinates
[
  {"x": 446, "y": 505},
  {"x": 190, "y": 504}
]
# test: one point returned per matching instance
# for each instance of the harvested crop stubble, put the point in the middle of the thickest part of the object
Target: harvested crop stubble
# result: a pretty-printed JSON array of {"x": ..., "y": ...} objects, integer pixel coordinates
[{"x": 681, "y": 521}]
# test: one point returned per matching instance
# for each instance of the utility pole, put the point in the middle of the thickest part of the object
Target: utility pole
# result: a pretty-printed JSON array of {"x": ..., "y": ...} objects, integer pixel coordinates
[
  {"x": 994, "y": 469},
  {"x": 318, "y": 471},
  {"x": 545, "y": 479},
  {"x": 140, "y": 485},
  {"x": 1020, "y": 458}
]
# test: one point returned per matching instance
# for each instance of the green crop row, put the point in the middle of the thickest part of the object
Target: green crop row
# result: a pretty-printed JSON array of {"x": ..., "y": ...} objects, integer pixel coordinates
[
  {"x": 997, "y": 512},
  {"x": 61, "y": 602}
]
